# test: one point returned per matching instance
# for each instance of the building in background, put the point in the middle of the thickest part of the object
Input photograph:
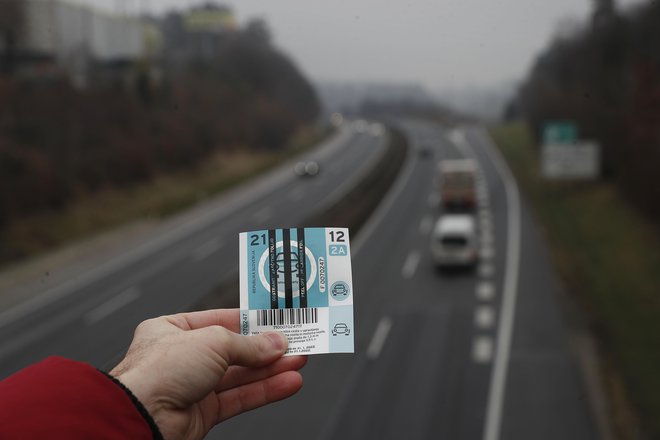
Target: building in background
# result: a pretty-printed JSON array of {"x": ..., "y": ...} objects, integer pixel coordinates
[{"x": 62, "y": 37}]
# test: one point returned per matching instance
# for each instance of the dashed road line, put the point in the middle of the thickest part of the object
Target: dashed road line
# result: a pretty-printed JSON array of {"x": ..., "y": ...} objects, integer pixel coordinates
[
  {"x": 410, "y": 265},
  {"x": 206, "y": 250},
  {"x": 433, "y": 200},
  {"x": 109, "y": 307},
  {"x": 485, "y": 290},
  {"x": 379, "y": 337},
  {"x": 425, "y": 225},
  {"x": 484, "y": 317},
  {"x": 486, "y": 270},
  {"x": 482, "y": 349},
  {"x": 486, "y": 252}
]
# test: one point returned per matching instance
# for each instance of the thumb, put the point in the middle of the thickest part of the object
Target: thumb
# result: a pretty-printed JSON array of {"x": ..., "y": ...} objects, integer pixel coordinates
[{"x": 250, "y": 351}]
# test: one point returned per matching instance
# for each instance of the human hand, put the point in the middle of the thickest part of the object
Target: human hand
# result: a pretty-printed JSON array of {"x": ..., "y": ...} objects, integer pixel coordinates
[{"x": 193, "y": 370}]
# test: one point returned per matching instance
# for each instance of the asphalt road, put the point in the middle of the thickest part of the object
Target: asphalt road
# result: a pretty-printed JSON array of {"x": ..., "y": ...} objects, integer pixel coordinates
[{"x": 464, "y": 355}]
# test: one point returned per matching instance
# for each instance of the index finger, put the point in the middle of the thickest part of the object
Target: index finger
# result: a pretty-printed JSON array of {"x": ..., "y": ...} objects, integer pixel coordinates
[{"x": 227, "y": 318}]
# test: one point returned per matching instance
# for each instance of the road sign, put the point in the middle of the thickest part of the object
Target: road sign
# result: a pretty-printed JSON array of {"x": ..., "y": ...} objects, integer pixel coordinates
[
  {"x": 580, "y": 160},
  {"x": 559, "y": 133}
]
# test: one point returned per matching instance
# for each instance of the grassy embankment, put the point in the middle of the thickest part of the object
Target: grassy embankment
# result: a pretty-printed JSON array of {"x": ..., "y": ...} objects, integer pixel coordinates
[
  {"x": 609, "y": 258},
  {"x": 162, "y": 196}
]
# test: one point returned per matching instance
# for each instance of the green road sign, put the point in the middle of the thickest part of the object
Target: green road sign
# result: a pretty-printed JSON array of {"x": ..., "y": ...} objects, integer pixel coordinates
[{"x": 559, "y": 133}]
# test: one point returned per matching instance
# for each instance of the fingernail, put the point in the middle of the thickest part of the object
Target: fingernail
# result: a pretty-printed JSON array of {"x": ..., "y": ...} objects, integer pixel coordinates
[{"x": 278, "y": 339}]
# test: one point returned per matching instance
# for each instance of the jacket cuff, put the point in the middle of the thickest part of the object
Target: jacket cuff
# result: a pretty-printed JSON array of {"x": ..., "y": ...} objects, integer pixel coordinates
[{"x": 138, "y": 405}]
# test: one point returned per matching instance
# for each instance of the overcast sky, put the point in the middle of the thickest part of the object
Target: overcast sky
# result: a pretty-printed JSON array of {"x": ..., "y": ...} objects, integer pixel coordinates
[{"x": 443, "y": 44}]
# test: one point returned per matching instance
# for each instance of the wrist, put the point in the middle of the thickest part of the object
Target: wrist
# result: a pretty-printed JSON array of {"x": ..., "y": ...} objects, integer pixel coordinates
[{"x": 144, "y": 411}]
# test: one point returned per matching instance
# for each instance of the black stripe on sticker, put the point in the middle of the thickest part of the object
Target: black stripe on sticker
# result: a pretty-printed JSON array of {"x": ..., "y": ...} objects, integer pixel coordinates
[
  {"x": 272, "y": 266},
  {"x": 302, "y": 268},
  {"x": 288, "y": 288}
]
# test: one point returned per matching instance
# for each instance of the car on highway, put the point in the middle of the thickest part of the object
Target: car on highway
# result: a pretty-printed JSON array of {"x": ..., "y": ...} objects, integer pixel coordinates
[
  {"x": 307, "y": 168},
  {"x": 454, "y": 241}
]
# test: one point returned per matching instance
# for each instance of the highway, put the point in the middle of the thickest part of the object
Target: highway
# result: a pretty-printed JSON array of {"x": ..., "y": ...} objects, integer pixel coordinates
[{"x": 480, "y": 354}]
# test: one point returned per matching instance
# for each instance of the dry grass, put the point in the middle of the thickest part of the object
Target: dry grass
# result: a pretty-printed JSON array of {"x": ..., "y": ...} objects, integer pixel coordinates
[{"x": 162, "y": 196}]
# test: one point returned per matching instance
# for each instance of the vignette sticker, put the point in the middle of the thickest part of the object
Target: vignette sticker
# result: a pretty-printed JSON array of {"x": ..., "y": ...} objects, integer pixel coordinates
[{"x": 298, "y": 281}]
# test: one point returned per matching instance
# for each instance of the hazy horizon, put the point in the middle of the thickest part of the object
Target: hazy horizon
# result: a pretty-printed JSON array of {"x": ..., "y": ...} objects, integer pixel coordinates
[{"x": 446, "y": 46}]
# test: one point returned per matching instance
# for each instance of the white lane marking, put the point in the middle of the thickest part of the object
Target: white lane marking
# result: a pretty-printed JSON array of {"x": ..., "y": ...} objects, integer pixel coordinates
[
  {"x": 510, "y": 291},
  {"x": 180, "y": 227},
  {"x": 434, "y": 200},
  {"x": 409, "y": 267},
  {"x": 425, "y": 225},
  {"x": 109, "y": 307},
  {"x": 379, "y": 337},
  {"x": 486, "y": 270},
  {"x": 206, "y": 250},
  {"x": 484, "y": 317},
  {"x": 385, "y": 205},
  {"x": 297, "y": 194},
  {"x": 482, "y": 349},
  {"x": 485, "y": 291},
  {"x": 263, "y": 214},
  {"x": 487, "y": 252},
  {"x": 487, "y": 238}
]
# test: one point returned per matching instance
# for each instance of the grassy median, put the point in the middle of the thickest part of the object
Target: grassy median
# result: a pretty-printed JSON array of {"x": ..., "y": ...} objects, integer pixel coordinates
[{"x": 609, "y": 258}]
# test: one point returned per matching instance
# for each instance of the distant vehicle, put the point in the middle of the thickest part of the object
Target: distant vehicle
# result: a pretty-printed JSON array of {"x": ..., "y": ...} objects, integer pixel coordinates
[
  {"x": 454, "y": 241},
  {"x": 341, "y": 329},
  {"x": 458, "y": 184},
  {"x": 307, "y": 169},
  {"x": 425, "y": 152}
]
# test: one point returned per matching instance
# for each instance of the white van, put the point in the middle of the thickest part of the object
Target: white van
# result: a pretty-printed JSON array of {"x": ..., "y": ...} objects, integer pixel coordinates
[{"x": 454, "y": 241}]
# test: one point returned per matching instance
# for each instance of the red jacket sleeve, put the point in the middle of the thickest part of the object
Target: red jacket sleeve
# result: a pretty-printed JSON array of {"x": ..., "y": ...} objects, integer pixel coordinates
[{"x": 62, "y": 399}]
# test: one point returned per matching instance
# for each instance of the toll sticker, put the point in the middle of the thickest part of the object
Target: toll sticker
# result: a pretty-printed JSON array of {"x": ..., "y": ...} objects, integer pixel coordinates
[{"x": 298, "y": 281}]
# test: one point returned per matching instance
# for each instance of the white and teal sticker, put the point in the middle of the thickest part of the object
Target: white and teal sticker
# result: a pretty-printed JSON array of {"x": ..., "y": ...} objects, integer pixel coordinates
[{"x": 298, "y": 281}]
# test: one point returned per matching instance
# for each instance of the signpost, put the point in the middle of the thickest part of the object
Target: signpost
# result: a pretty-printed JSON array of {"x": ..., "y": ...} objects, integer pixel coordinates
[{"x": 564, "y": 157}]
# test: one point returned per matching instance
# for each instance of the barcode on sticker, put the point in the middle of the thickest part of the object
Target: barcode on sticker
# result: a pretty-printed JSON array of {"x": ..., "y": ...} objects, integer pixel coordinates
[{"x": 287, "y": 316}]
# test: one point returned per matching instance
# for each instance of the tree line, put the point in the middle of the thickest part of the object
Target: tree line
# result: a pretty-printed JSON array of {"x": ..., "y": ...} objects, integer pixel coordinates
[
  {"x": 606, "y": 78},
  {"x": 58, "y": 141}
]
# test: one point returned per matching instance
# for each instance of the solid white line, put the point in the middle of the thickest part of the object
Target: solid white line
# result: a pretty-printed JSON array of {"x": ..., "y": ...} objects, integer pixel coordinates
[
  {"x": 510, "y": 291},
  {"x": 385, "y": 205},
  {"x": 425, "y": 225},
  {"x": 484, "y": 317},
  {"x": 111, "y": 306},
  {"x": 206, "y": 250},
  {"x": 409, "y": 267},
  {"x": 485, "y": 290},
  {"x": 379, "y": 337},
  {"x": 482, "y": 349}
]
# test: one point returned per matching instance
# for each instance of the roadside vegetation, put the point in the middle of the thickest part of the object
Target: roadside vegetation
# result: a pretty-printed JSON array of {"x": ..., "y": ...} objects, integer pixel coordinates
[
  {"x": 608, "y": 255},
  {"x": 75, "y": 161}
]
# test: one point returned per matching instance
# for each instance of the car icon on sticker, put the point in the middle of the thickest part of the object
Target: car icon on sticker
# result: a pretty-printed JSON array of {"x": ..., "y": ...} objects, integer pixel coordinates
[
  {"x": 341, "y": 329},
  {"x": 339, "y": 290}
]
